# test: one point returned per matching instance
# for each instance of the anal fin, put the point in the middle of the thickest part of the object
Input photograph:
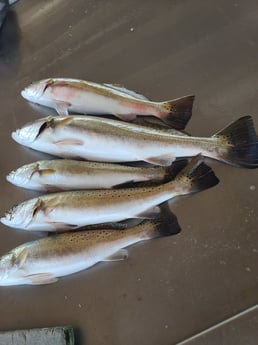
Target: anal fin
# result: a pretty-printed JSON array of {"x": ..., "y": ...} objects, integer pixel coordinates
[
  {"x": 151, "y": 213},
  {"x": 42, "y": 278},
  {"x": 121, "y": 254},
  {"x": 161, "y": 160},
  {"x": 126, "y": 117},
  {"x": 62, "y": 108}
]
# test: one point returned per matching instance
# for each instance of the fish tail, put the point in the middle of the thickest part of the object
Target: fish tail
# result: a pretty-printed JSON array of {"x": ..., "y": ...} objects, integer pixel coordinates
[
  {"x": 195, "y": 177},
  {"x": 165, "y": 225},
  {"x": 238, "y": 143},
  {"x": 177, "y": 112},
  {"x": 174, "y": 169}
]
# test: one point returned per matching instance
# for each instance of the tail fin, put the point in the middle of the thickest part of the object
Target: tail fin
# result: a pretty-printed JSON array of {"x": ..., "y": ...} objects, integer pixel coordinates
[
  {"x": 240, "y": 142},
  {"x": 174, "y": 169},
  {"x": 165, "y": 225},
  {"x": 195, "y": 177},
  {"x": 178, "y": 112}
]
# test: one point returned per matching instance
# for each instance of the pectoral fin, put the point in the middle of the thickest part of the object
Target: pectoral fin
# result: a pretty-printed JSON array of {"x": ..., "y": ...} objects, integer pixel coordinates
[
  {"x": 126, "y": 117},
  {"x": 20, "y": 259},
  {"x": 122, "y": 254},
  {"x": 68, "y": 141},
  {"x": 42, "y": 278},
  {"x": 62, "y": 226},
  {"x": 62, "y": 108},
  {"x": 44, "y": 172},
  {"x": 151, "y": 213},
  {"x": 161, "y": 160}
]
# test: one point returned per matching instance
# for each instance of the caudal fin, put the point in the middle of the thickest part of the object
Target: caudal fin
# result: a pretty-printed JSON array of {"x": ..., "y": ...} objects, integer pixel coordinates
[
  {"x": 178, "y": 112},
  {"x": 239, "y": 143},
  {"x": 195, "y": 177},
  {"x": 174, "y": 169},
  {"x": 165, "y": 225}
]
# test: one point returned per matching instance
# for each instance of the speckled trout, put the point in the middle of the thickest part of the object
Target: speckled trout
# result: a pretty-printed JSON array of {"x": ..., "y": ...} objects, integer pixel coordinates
[
  {"x": 65, "y": 174},
  {"x": 44, "y": 260},
  {"x": 107, "y": 140},
  {"x": 79, "y": 96},
  {"x": 70, "y": 210}
]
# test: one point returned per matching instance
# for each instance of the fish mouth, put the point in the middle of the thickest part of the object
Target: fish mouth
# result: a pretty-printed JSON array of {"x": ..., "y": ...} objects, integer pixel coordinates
[{"x": 7, "y": 219}]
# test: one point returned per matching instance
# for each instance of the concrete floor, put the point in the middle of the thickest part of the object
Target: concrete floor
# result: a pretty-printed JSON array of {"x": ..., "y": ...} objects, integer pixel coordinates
[{"x": 172, "y": 288}]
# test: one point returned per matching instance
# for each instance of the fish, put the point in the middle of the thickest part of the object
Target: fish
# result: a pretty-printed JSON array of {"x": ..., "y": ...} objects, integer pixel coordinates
[
  {"x": 106, "y": 140},
  {"x": 65, "y": 174},
  {"x": 65, "y": 211},
  {"x": 84, "y": 97},
  {"x": 43, "y": 261}
]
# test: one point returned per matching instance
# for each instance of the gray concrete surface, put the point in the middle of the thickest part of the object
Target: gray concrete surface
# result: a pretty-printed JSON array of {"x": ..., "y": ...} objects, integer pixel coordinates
[{"x": 169, "y": 289}]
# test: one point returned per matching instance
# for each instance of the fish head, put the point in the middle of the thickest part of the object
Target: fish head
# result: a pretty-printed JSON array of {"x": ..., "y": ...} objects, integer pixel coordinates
[
  {"x": 10, "y": 267},
  {"x": 20, "y": 216},
  {"x": 7, "y": 267},
  {"x": 23, "y": 175},
  {"x": 27, "y": 134},
  {"x": 36, "y": 91}
]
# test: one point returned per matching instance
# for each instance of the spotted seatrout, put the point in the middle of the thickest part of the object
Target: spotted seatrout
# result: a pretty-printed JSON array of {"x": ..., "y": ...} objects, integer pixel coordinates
[
  {"x": 64, "y": 174},
  {"x": 70, "y": 210},
  {"x": 85, "y": 97},
  {"x": 107, "y": 140},
  {"x": 44, "y": 260}
]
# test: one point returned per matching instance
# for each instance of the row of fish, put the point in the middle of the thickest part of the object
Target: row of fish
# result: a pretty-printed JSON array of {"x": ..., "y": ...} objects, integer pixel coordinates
[
  {"x": 107, "y": 142},
  {"x": 45, "y": 260}
]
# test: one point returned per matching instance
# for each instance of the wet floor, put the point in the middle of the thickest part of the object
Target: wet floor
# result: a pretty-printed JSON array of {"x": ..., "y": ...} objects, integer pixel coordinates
[{"x": 169, "y": 289}]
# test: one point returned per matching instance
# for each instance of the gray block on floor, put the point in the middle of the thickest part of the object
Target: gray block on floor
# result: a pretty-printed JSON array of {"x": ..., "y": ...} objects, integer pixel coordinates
[{"x": 39, "y": 336}]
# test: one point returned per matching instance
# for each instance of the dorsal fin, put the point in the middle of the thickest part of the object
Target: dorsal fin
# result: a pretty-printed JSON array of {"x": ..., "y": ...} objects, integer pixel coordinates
[{"x": 127, "y": 92}]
